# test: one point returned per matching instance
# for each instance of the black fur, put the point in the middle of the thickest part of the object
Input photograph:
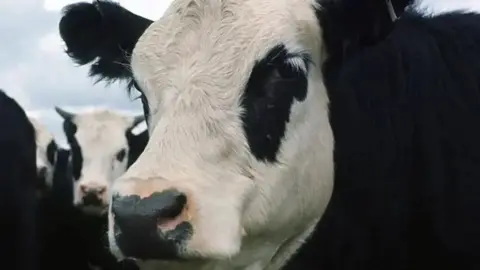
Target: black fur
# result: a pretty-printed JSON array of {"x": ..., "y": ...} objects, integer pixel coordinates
[
  {"x": 77, "y": 159},
  {"x": 269, "y": 94},
  {"x": 349, "y": 25},
  {"x": 104, "y": 33},
  {"x": 51, "y": 151},
  {"x": 404, "y": 114},
  {"x": 18, "y": 175}
]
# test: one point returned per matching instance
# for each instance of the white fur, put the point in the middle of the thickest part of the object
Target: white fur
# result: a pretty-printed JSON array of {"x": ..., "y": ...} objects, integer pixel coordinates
[
  {"x": 101, "y": 135},
  {"x": 43, "y": 137},
  {"x": 193, "y": 65}
]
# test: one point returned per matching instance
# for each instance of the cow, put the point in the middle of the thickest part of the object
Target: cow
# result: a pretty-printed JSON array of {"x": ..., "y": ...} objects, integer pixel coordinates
[
  {"x": 100, "y": 142},
  {"x": 293, "y": 134},
  {"x": 17, "y": 186},
  {"x": 46, "y": 154},
  {"x": 61, "y": 224}
]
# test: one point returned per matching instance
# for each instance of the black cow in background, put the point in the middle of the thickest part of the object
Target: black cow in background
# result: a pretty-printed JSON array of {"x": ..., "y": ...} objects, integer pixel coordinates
[{"x": 18, "y": 176}]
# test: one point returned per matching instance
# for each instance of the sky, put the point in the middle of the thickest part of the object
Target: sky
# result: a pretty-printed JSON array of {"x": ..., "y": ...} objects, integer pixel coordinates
[{"x": 36, "y": 72}]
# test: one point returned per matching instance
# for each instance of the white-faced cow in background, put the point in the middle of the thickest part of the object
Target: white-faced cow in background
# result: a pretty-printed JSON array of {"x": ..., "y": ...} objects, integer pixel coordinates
[
  {"x": 252, "y": 106},
  {"x": 100, "y": 143},
  {"x": 46, "y": 154}
]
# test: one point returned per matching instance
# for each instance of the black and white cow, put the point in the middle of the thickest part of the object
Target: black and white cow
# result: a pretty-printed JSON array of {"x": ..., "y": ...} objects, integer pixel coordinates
[
  {"x": 61, "y": 224},
  {"x": 254, "y": 106},
  {"x": 18, "y": 177},
  {"x": 100, "y": 142},
  {"x": 46, "y": 154}
]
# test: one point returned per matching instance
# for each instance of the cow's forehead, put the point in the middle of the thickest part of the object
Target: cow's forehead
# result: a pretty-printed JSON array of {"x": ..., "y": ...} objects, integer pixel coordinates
[
  {"x": 219, "y": 39},
  {"x": 103, "y": 128},
  {"x": 101, "y": 118}
]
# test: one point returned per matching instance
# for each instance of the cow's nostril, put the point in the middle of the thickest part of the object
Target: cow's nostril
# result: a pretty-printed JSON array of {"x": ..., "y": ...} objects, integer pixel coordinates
[{"x": 174, "y": 203}]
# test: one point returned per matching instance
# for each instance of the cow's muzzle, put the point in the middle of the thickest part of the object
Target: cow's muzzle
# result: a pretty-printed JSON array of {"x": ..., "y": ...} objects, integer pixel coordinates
[{"x": 153, "y": 227}]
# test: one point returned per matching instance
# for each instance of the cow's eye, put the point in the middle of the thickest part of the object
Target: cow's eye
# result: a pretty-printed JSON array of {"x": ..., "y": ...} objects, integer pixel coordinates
[{"x": 121, "y": 155}]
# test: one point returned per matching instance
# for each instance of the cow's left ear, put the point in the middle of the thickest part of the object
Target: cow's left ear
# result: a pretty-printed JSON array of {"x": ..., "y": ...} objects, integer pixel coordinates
[{"x": 104, "y": 34}]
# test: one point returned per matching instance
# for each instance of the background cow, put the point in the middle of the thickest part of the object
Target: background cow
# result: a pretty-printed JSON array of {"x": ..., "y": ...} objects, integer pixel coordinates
[
  {"x": 244, "y": 99},
  {"x": 100, "y": 142},
  {"x": 46, "y": 154},
  {"x": 17, "y": 186},
  {"x": 62, "y": 224}
]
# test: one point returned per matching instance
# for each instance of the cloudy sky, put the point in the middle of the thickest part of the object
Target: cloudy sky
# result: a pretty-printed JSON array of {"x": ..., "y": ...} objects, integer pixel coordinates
[{"x": 35, "y": 71}]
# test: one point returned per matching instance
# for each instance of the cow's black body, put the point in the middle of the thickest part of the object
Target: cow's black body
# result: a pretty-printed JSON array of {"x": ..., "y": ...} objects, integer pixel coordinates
[
  {"x": 17, "y": 186},
  {"x": 405, "y": 114}
]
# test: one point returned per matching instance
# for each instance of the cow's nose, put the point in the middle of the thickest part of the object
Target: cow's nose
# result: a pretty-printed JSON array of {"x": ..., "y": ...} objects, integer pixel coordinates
[
  {"x": 92, "y": 195},
  {"x": 151, "y": 227}
]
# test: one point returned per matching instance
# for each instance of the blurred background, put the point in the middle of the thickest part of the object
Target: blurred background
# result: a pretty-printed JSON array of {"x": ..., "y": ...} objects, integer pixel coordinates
[{"x": 36, "y": 72}]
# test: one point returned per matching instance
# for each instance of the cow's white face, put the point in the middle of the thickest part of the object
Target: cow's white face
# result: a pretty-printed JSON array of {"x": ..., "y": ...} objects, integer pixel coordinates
[
  {"x": 46, "y": 154},
  {"x": 238, "y": 168},
  {"x": 99, "y": 154},
  {"x": 223, "y": 79}
]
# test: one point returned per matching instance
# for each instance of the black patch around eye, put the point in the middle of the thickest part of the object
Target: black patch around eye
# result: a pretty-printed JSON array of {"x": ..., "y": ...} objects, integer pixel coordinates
[
  {"x": 51, "y": 152},
  {"x": 77, "y": 159},
  {"x": 121, "y": 155},
  {"x": 270, "y": 91}
]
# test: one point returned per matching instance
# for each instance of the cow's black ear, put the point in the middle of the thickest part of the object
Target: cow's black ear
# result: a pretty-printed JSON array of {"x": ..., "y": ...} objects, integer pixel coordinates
[{"x": 103, "y": 34}]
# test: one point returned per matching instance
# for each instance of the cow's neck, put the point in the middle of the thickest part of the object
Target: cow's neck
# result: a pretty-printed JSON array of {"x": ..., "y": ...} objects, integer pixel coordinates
[{"x": 259, "y": 254}]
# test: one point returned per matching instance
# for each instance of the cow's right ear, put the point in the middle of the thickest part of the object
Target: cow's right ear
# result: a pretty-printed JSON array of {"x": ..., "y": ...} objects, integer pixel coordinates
[{"x": 103, "y": 34}]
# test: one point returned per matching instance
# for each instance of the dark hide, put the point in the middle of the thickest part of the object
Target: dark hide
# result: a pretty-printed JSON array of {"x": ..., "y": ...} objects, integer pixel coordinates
[
  {"x": 405, "y": 114},
  {"x": 51, "y": 150},
  {"x": 18, "y": 175},
  {"x": 70, "y": 239},
  {"x": 349, "y": 25}
]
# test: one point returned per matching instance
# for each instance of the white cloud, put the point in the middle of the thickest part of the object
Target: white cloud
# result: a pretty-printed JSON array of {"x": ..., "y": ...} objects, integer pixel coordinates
[{"x": 12, "y": 83}]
